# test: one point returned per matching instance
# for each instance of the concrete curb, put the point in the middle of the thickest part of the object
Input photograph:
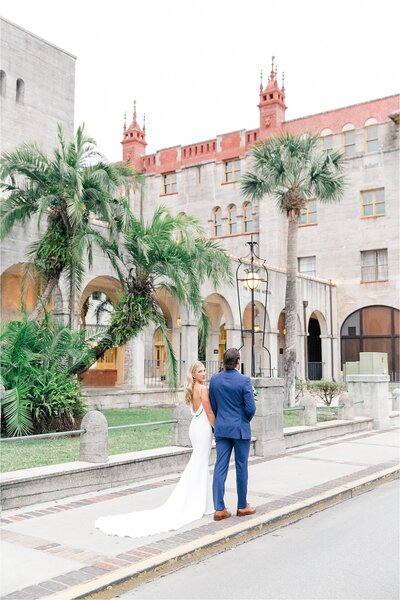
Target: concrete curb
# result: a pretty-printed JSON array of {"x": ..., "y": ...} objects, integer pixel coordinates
[{"x": 227, "y": 537}]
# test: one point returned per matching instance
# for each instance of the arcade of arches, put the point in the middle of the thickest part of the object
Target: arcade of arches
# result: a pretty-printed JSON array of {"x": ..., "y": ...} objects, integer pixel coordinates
[{"x": 371, "y": 328}]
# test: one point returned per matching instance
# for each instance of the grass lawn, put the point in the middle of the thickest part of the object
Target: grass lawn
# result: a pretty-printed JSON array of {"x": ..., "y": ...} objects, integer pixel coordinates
[
  {"x": 35, "y": 453},
  {"x": 24, "y": 454}
]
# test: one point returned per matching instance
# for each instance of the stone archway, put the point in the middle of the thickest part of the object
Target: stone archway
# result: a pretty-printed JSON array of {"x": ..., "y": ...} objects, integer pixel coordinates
[
  {"x": 373, "y": 328},
  {"x": 221, "y": 325},
  {"x": 19, "y": 285},
  {"x": 95, "y": 309},
  {"x": 316, "y": 346},
  {"x": 262, "y": 357}
]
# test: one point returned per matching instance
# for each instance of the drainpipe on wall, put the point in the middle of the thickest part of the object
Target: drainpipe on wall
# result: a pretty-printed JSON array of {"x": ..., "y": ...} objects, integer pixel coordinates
[
  {"x": 305, "y": 304},
  {"x": 330, "y": 309}
]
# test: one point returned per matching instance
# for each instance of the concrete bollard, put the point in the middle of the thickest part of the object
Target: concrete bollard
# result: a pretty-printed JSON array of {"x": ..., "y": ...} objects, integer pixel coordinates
[
  {"x": 346, "y": 407},
  {"x": 267, "y": 423},
  {"x": 396, "y": 400},
  {"x": 180, "y": 430},
  {"x": 373, "y": 391},
  {"x": 94, "y": 442},
  {"x": 308, "y": 416}
]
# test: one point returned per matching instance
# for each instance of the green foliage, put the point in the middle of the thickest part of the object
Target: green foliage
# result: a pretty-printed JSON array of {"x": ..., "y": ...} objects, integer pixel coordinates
[
  {"x": 293, "y": 169},
  {"x": 326, "y": 390},
  {"x": 35, "y": 363},
  {"x": 68, "y": 188},
  {"x": 169, "y": 254}
]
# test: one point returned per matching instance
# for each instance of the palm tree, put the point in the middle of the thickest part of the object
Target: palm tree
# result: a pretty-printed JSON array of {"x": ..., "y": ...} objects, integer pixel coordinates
[
  {"x": 293, "y": 170},
  {"x": 69, "y": 188},
  {"x": 170, "y": 253}
]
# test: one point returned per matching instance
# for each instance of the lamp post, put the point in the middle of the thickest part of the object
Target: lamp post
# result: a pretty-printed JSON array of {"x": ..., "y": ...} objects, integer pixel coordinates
[{"x": 252, "y": 272}]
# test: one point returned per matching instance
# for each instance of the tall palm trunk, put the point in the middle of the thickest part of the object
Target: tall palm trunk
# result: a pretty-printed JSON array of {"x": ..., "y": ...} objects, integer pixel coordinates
[
  {"x": 44, "y": 298},
  {"x": 291, "y": 310}
]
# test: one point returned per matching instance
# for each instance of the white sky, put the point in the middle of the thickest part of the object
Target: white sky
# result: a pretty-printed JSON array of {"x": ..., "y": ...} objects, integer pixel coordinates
[{"x": 194, "y": 66}]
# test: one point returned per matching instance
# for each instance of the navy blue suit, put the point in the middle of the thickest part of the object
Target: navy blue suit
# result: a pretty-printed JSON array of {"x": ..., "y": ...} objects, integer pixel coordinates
[{"x": 232, "y": 400}]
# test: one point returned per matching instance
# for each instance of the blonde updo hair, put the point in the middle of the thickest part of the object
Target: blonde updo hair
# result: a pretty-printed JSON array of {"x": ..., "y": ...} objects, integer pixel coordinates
[{"x": 189, "y": 384}]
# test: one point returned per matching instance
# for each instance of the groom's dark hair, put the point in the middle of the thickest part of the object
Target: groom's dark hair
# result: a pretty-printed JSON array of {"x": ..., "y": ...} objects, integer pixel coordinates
[{"x": 231, "y": 357}]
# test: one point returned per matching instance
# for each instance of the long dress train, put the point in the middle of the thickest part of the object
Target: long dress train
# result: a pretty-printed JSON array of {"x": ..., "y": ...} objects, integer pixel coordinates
[{"x": 190, "y": 500}]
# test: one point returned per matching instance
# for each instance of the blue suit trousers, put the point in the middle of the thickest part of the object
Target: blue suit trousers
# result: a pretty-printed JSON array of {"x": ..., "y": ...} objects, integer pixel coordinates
[{"x": 224, "y": 451}]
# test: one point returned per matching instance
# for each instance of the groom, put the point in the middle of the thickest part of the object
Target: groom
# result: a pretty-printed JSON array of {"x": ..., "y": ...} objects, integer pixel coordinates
[{"x": 232, "y": 400}]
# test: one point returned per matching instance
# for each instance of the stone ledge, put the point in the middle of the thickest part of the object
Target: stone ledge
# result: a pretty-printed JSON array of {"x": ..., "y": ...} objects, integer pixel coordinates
[{"x": 303, "y": 434}]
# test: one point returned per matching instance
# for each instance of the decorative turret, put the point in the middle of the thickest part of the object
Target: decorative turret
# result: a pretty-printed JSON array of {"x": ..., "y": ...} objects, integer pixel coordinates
[
  {"x": 134, "y": 142},
  {"x": 272, "y": 104}
]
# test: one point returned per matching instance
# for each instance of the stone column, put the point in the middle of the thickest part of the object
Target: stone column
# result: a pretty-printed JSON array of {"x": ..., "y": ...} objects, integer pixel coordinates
[
  {"x": 189, "y": 341},
  {"x": 94, "y": 442},
  {"x": 233, "y": 338},
  {"x": 134, "y": 363},
  {"x": 180, "y": 430},
  {"x": 267, "y": 423},
  {"x": 326, "y": 357},
  {"x": 373, "y": 390}
]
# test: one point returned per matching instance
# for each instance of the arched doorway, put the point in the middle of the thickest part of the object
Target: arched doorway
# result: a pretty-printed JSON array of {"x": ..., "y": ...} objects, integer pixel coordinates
[
  {"x": 19, "y": 286},
  {"x": 95, "y": 310},
  {"x": 372, "y": 329},
  {"x": 314, "y": 349},
  {"x": 160, "y": 356}
]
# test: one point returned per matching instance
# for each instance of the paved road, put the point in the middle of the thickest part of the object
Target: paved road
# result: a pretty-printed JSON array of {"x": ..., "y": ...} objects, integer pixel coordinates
[{"x": 348, "y": 552}]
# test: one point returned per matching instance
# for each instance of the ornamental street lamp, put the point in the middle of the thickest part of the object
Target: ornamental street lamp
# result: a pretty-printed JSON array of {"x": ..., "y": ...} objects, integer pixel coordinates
[{"x": 251, "y": 272}]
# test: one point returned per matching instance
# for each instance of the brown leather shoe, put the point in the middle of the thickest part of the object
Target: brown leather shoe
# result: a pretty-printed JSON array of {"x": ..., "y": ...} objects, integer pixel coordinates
[
  {"x": 244, "y": 512},
  {"x": 222, "y": 514}
]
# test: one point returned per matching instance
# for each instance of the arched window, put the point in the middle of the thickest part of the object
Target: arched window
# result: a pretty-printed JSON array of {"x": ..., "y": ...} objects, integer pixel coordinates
[
  {"x": 372, "y": 329},
  {"x": 232, "y": 219},
  {"x": 20, "y": 91},
  {"x": 3, "y": 82},
  {"x": 247, "y": 218},
  {"x": 327, "y": 140},
  {"x": 217, "y": 221},
  {"x": 371, "y": 136},
  {"x": 349, "y": 140}
]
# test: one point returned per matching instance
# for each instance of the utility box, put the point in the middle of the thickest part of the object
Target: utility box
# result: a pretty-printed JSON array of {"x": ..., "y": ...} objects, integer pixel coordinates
[
  {"x": 370, "y": 363},
  {"x": 373, "y": 363}
]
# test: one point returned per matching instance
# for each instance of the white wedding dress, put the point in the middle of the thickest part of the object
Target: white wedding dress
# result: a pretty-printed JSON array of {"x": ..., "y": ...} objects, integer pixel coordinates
[{"x": 190, "y": 500}]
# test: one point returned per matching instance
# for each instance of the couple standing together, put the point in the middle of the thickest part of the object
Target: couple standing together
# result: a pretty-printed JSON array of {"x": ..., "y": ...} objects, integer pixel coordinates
[{"x": 227, "y": 408}]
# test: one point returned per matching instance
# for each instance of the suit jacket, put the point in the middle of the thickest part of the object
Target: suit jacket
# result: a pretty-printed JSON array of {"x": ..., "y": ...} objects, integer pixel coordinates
[{"x": 232, "y": 400}]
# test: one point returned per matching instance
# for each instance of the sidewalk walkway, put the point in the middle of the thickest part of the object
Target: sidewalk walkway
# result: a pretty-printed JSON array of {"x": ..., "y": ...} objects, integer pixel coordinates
[{"x": 53, "y": 551}]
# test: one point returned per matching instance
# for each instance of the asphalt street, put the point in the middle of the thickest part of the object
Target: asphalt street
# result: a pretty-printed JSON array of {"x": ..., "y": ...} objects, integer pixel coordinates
[{"x": 348, "y": 552}]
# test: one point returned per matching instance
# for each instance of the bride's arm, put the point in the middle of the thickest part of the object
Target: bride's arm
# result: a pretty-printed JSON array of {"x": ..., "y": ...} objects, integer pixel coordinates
[{"x": 205, "y": 400}]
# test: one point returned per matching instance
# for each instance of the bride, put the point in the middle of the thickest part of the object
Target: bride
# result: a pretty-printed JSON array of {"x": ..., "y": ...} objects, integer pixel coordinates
[{"x": 192, "y": 496}]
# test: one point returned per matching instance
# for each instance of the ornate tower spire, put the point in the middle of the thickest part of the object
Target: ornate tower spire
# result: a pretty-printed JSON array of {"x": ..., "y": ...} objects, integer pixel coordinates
[
  {"x": 134, "y": 142},
  {"x": 124, "y": 121},
  {"x": 272, "y": 104},
  {"x": 134, "y": 111},
  {"x": 144, "y": 122},
  {"x": 261, "y": 82},
  {"x": 273, "y": 70}
]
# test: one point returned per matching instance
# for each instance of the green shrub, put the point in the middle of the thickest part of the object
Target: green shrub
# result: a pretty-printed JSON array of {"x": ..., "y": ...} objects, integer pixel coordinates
[
  {"x": 326, "y": 390},
  {"x": 41, "y": 395}
]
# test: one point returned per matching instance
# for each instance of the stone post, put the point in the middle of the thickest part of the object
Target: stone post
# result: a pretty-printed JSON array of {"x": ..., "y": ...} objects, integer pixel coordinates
[
  {"x": 346, "y": 406},
  {"x": 180, "y": 430},
  {"x": 94, "y": 442},
  {"x": 396, "y": 400},
  {"x": 308, "y": 416},
  {"x": 373, "y": 390},
  {"x": 267, "y": 423}
]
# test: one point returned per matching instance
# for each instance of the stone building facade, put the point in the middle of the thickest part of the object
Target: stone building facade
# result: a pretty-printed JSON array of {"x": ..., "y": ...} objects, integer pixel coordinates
[
  {"x": 37, "y": 93},
  {"x": 348, "y": 279},
  {"x": 349, "y": 259}
]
